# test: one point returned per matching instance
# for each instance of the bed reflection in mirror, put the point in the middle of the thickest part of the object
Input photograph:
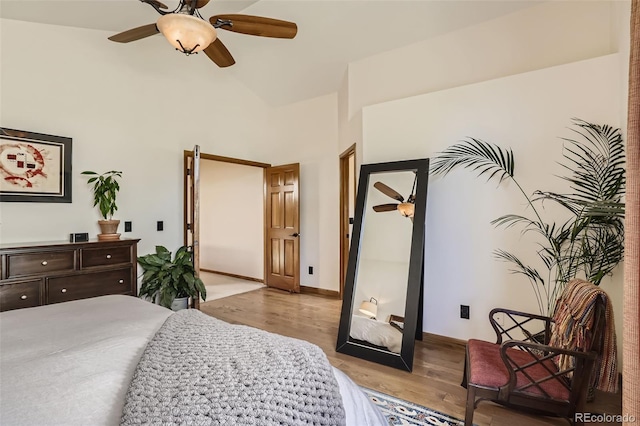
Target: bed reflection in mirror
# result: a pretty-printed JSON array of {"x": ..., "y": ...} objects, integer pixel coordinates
[{"x": 382, "y": 289}]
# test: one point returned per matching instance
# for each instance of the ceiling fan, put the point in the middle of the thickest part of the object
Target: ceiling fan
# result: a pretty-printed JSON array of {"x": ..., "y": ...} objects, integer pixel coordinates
[
  {"x": 406, "y": 208},
  {"x": 190, "y": 33}
]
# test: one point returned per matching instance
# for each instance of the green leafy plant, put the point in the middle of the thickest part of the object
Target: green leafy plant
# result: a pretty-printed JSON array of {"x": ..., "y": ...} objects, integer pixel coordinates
[
  {"x": 589, "y": 244},
  {"x": 170, "y": 279},
  {"x": 105, "y": 189}
]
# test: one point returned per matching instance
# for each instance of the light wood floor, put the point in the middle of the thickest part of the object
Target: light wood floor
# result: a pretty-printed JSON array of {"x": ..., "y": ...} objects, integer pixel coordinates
[{"x": 438, "y": 364}]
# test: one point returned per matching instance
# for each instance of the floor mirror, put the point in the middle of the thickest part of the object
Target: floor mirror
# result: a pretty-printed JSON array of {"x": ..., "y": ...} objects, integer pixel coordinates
[{"x": 382, "y": 306}]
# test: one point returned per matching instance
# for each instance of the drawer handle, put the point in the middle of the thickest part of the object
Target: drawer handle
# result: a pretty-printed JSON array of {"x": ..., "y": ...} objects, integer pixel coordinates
[
  {"x": 23, "y": 297},
  {"x": 121, "y": 282},
  {"x": 108, "y": 256},
  {"x": 44, "y": 263},
  {"x": 64, "y": 290}
]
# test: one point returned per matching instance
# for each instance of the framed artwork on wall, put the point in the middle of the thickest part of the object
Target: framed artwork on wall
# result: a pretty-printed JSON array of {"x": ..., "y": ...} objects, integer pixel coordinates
[{"x": 34, "y": 167}]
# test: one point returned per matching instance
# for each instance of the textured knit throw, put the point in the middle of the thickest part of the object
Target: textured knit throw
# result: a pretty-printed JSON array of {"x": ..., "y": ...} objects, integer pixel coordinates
[
  {"x": 574, "y": 320},
  {"x": 198, "y": 370}
]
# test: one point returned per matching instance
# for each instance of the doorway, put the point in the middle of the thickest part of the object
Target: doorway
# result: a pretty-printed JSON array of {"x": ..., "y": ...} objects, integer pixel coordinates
[
  {"x": 347, "y": 207},
  {"x": 230, "y": 225},
  {"x": 236, "y": 241}
]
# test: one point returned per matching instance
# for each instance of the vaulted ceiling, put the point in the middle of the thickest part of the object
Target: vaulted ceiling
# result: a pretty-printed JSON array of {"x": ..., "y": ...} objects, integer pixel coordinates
[{"x": 331, "y": 34}]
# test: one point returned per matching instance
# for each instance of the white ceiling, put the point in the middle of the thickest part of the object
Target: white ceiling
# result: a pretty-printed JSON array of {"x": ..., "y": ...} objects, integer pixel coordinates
[{"x": 330, "y": 33}]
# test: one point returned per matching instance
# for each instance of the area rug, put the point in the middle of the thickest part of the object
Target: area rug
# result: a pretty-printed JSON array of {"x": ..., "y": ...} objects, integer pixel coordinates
[{"x": 400, "y": 412}]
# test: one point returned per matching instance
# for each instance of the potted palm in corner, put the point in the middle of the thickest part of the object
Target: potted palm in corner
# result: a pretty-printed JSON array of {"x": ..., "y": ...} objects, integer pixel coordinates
[
  {"x": 590, "y": 243},
  {"x": 105, "y": 189},
  {"x": 170, "y": 282}
]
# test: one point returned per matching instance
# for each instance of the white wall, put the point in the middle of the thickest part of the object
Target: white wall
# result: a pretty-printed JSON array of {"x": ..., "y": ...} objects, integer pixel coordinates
[
  {"x": 130, "y": 111},
  {"x": 127, "y": 108},
  {"x": 73, "y": 82},
  {"x": 232, "y": 218},
  {"x": 307, "y": 132},
  {"x": 551, "y": 33},
  {"x": 528, "y": 113}
]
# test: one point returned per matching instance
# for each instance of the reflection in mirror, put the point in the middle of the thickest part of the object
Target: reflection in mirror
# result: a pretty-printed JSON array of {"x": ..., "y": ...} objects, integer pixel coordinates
[
  {"x": 381, "y": 307},
  {"x": 383, "y": 262}
]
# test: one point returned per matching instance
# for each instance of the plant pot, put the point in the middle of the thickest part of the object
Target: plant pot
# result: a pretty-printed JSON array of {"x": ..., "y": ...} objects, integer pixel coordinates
[
  {"x": 108, "y": 230},
  {"x": 180, "y": 303}
]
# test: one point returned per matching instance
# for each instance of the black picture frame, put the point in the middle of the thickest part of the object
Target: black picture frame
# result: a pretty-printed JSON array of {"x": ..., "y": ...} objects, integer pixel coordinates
[
  {"x": 413, "y": 305},
  {"x": 34, "y": 167}
]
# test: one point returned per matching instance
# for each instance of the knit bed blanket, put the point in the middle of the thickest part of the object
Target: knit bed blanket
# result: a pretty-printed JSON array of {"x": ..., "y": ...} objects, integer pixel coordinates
[{"x": 198, "y": 370}]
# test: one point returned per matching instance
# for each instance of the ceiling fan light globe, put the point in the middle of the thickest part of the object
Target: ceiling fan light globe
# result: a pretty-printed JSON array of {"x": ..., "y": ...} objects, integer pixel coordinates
[
  {"x": 186, "y": 33},
  {"x": 406, "y": 209}
]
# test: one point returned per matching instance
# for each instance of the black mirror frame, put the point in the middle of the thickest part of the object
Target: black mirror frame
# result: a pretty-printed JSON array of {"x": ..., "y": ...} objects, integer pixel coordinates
[{"x": 413, "y": 305}]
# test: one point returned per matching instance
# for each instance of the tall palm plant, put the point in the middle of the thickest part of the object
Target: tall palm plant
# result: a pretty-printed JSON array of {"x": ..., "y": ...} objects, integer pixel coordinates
[{"x": 591, "y": 242}]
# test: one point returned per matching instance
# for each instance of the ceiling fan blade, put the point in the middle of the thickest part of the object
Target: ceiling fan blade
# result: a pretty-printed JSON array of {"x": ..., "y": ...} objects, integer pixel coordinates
[
  {"x": 219, "y": 54},
  {"x": 388, "y": 191},
  {"x": 135, "y": 34},
  {"x": 201, "y": 3},
  {"x": 255, "y": 25},
  {"x": 385, "y": 207}
]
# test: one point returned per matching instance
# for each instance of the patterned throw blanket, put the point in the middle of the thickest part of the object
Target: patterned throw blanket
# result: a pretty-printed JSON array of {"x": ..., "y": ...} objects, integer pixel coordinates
[
  {"x": 198, "y": 370},
  {"x": 574, "y": 320}
]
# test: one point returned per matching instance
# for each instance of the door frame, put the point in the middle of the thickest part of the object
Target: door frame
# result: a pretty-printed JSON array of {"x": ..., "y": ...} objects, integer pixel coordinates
[
  {"x": 344, "y": 210},
  {"x": 203, "y": 156}
]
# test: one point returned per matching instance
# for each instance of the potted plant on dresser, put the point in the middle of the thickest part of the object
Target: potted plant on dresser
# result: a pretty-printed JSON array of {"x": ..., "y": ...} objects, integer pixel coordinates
[
  {"x": 105, "y": 189},
  {"x": 170, "y": 282}
]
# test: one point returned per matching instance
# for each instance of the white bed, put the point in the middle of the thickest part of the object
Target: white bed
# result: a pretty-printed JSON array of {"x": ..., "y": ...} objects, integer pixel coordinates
[
  {"x": 376, "y": 332},
  {"x": 71, "y": 363}
]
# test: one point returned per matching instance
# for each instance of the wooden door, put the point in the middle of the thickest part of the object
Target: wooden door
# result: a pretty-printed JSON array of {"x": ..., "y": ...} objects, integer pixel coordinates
[
  {"x": 282, "y": 227},
  {"x": 192, "y": 209},
  {"x": 347, "y": 208}
]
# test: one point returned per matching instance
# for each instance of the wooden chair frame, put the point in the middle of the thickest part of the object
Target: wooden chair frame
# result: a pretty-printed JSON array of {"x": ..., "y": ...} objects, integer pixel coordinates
[{"x": 575, "y": 380}]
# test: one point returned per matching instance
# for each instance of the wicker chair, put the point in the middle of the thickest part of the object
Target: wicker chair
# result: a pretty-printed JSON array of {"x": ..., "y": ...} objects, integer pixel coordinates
[{"x": 548, "y": 372}]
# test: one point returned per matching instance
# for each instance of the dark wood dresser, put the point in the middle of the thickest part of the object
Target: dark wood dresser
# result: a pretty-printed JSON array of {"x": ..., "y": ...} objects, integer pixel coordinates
[{"x": 33, "y": 274}]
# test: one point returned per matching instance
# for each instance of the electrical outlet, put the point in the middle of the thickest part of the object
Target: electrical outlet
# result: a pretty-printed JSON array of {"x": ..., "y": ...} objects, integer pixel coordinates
[
  {"x": 160, "y": 226},
  {"x": 310, "y": 270},
  {"x": 464, "y": 311},
  {"x": 127, "y": 226}
]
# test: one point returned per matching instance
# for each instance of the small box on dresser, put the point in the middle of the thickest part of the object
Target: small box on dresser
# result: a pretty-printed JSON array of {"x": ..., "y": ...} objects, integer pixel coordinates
[{"x": 33, "y": 274}]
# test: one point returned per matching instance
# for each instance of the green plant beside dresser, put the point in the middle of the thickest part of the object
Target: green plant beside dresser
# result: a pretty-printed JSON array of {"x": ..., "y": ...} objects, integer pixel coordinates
[{"x": 166, "y": 279}]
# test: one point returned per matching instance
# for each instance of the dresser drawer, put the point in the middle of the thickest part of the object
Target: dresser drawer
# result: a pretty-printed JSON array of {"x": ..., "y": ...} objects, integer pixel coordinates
[
  {"x": 25, "y": 294},
  {"x": 105, "y": 256},
  {"x": 40, "y": 263},
  {"x": 63, "y": 289}
]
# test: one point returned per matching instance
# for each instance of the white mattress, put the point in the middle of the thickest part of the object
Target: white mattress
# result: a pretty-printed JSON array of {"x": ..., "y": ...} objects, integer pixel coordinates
[
  {"x": 71, "y": 363},
  {"x": 376, "y": 332}
]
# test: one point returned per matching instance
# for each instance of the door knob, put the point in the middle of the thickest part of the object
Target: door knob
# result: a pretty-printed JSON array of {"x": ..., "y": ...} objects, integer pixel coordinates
[{"x": 295, "y": 235}]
